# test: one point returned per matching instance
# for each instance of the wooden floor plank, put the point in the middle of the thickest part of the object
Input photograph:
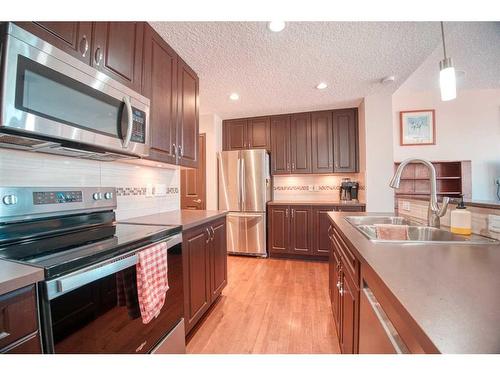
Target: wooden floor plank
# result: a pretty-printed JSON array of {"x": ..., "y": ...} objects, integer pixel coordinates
[{"x": 270, "y": 306}]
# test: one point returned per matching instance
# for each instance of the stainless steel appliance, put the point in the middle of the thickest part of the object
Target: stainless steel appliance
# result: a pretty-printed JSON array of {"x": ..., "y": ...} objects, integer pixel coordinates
[
  {"x": 88, "y": 300},
  {"x": 52, "y": 102},
  {"x": 244, "y": 190}
]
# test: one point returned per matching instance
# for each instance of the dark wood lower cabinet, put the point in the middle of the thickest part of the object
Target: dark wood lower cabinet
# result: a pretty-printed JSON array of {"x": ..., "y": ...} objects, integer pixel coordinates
[
  {"x": 301, "y": 230},
  {"x": 205, "y": 269},
  {"x": 349, "y": 294}
]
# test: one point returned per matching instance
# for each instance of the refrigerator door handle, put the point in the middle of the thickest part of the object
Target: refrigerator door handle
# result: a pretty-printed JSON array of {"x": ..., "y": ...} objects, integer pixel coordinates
[
  {"x": 243, "y": 181},
  {"x": 238, "y": 182}
]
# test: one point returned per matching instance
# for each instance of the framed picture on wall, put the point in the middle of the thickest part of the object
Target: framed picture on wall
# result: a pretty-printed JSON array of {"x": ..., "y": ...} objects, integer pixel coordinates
[{"x": 417, "y": 127}]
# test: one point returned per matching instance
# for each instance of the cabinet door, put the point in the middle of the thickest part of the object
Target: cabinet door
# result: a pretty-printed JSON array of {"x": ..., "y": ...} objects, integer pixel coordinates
[
  {"x": 321, "y": 226},
  {"x": 345, "y": 138},
  {"x": 259, "y": 133},
  {"x": 235, "y": 135},
  {"x": 187, "y": 114},
  {"x": 196, "y": 266},
  {"x": 280, "y": 144},
  {"x": 335, "y": 280},
  {"x": 71, "y": 37},
  {"x": 218, "y": 258},
  {"x": 301, "y": 230},
  {"x": 159, "y": 85},
  {"x": 300, "y": 141},
  {"x": 279, "y": 226},
  {"x": 117, "y": 51},
  {"x": 349, "y": 305},
  {"x": 322, "y": 142}
]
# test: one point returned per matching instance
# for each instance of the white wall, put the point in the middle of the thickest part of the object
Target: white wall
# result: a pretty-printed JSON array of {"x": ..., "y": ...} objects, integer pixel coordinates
[
  {"x": 22, "y": 168},
  {"x": 376, "y": 115},
  {"x": 211, "y": 125},
  {"x": 467, "y": 128}
]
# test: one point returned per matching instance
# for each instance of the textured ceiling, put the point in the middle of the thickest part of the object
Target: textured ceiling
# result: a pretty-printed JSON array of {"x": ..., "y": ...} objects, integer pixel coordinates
[
  {"x": 475, "y": 50},
  {"x": 278, "y": 72}
]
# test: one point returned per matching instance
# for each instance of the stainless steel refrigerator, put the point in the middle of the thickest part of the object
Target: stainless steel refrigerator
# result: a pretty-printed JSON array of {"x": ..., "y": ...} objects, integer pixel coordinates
[{"x": 244, "y": 190}]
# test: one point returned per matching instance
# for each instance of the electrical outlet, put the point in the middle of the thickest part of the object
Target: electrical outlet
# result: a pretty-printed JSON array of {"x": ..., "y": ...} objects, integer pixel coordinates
[
  {"x": 160, "y": 190},
  {"x": 149, "y": 190},
  {"x": 405, "y": 206},
  {"x": 494, "y": 223}
]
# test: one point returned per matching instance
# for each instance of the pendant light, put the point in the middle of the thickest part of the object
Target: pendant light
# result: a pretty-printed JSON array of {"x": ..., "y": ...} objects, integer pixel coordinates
[{"x": 447, "y": 78}]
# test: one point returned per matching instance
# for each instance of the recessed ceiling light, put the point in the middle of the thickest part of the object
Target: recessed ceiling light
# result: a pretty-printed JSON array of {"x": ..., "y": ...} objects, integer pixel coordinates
[
  {"x": 321, "y": 86},
  {"x": 388, "y": 79},
  {"x": 276, "y": 26},
  {"x": 234, "y": 96}
]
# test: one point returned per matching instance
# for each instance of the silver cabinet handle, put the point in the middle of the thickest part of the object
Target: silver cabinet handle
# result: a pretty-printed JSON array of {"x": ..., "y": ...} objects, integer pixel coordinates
[
  {"x": 4, "y": 334},
  {"x": 293, "y": 213},
  {"x": 98, "y": 56},
  {"x": 84, "y": 45},
  {"x": 209, "y": 236},
  {"x": 174, "y": 150},
  {"x": 286, "y": 212},
  {"x": 130, "y": 122},
  {"x": 287, "y": 166},
  {"x": 213, "y": 232},
  {"x": 181, "y": 154},
  {"x": 197, "y": 200},
  {"x": 293, "y": 166}
]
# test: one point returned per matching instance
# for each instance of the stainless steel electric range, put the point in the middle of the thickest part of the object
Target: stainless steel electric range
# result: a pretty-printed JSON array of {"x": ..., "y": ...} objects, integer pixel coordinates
[{"x": 88, "y": 300}]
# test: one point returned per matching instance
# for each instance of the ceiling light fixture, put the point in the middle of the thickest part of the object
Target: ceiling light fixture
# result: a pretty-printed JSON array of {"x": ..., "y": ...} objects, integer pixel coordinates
[
  {"x": 447, "y": 77},
  {"x": 276, "y": 26},
  {"x": 321, "y": 86},
  {"x": 387, "y": 80},
  {"x": 234, "y": 96}
]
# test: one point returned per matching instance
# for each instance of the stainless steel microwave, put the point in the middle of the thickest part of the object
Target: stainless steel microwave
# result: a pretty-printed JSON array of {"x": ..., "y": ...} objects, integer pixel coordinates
[{"x": 52, "y": 102}]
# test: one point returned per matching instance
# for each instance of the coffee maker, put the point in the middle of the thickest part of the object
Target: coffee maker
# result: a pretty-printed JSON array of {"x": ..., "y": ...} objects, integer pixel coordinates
[{"x": 349, "y": 190}]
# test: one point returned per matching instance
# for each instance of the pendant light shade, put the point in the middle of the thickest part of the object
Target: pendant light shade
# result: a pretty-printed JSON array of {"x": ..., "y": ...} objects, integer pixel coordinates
[{"x": 447, "y": 77}]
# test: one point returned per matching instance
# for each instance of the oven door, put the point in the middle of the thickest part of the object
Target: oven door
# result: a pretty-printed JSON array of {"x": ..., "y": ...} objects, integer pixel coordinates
[
  {"x": 51, "y": 95},
  {"x": 96, "y": 310}
]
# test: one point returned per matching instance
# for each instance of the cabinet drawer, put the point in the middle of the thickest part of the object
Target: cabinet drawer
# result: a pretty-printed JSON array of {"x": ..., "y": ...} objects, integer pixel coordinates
[
  {"x": 351, "y": 264},
  {"x": 18, "y": 315},
  {"x": 30, "y": 346}
]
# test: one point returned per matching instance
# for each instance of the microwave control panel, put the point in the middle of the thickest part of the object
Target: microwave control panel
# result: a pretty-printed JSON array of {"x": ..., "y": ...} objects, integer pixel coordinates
[{"x": 138, "y": 126}]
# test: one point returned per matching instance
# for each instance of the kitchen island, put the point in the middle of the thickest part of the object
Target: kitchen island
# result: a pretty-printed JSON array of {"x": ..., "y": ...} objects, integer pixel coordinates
[{"x": 438, "y": 298}]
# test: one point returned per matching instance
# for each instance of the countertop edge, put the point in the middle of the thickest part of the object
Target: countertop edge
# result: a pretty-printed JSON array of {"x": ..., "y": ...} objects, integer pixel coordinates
[{"x": 18, "y": 276}]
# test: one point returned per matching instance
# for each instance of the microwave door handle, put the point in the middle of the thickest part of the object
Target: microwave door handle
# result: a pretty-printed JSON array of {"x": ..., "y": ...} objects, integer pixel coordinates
[{"x": 128, "y": 135}]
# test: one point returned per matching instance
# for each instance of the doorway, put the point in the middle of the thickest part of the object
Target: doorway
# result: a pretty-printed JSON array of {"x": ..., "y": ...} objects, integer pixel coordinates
[{"x": 193, "y": 181}]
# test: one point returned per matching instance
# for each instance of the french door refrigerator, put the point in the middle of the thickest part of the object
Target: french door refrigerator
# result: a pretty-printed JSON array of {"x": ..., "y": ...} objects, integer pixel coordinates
[{"x": 244, "y": 190}]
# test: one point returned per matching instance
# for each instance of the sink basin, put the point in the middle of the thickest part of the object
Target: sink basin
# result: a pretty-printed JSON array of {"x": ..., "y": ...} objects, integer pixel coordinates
[
  {"x": 369, "y": 220},
  {"x": 423, "y": 234}
]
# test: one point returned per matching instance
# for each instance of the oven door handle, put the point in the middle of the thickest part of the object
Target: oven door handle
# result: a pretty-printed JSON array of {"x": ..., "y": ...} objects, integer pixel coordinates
[
  {"x": 70, "y": 282},
  {"x": 130, "y": 122}
]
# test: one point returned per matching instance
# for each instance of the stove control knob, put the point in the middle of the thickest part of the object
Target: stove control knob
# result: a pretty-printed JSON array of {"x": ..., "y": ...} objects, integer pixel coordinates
[
  {"x": 97, "y": 196},
  {"x": 10, "y": 199},
  {"x": 108, "y": 195}
]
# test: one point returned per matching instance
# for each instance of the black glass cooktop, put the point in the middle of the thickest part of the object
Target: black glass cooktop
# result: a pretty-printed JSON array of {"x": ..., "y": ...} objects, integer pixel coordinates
[{"x": 61, "y": 251}]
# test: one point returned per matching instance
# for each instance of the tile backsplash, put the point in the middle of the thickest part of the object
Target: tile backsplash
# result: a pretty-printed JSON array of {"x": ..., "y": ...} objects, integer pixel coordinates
[
  {"x": 141, "y": 190},
  {"x": 313, "y": 187},
  {"x": 417, "y": 209}
]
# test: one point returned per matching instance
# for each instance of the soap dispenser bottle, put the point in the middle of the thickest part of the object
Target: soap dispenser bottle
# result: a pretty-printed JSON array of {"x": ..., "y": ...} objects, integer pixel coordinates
[{"x": 461, "y": 219}]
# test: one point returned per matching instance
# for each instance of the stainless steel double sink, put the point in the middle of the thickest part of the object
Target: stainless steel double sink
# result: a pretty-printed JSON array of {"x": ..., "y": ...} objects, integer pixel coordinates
[{"x": 417, "y": 233}]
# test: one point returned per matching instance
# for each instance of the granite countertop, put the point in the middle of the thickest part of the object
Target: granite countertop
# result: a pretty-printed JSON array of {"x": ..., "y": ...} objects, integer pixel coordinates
[
  {"x": 451, "y": 291},
  {"x": 14, "y": 276},
  {"x": 317, "y": 203},
  {"x": 185, "y": 218}
]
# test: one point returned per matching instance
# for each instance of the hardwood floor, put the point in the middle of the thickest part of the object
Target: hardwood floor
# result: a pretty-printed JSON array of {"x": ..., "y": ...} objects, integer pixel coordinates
[{"x": 269, "y": 306}]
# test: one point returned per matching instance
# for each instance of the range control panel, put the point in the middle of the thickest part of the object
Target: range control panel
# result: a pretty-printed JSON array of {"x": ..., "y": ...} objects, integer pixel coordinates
[
  {"x": 18, "y": 203},
  {"x": 51, "y": 197}
]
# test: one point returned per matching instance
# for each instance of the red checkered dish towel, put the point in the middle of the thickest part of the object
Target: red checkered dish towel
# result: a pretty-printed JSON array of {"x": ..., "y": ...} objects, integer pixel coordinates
[{"x": 152, "y": 280}]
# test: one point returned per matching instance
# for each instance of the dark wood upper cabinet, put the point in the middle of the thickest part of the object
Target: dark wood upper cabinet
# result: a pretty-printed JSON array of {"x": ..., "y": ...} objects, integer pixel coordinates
[
  {"x": 160, "y": 86},
  {"x": 280, "y": 145},
  {"x": 300, "y": 141},
  {"x": 322, "y": 142},
  {"x": 301, "y": 230},
  {"x": 345, "y": 138},
  {"x": 74, "y": 38},
  {"x": 279, "y": 225},
  {"x": 117, "y": 51},
  {"x": 187, "y": 114},
  {"x": 234, "y": 135},
  {"x": 259, "y": 133}
]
